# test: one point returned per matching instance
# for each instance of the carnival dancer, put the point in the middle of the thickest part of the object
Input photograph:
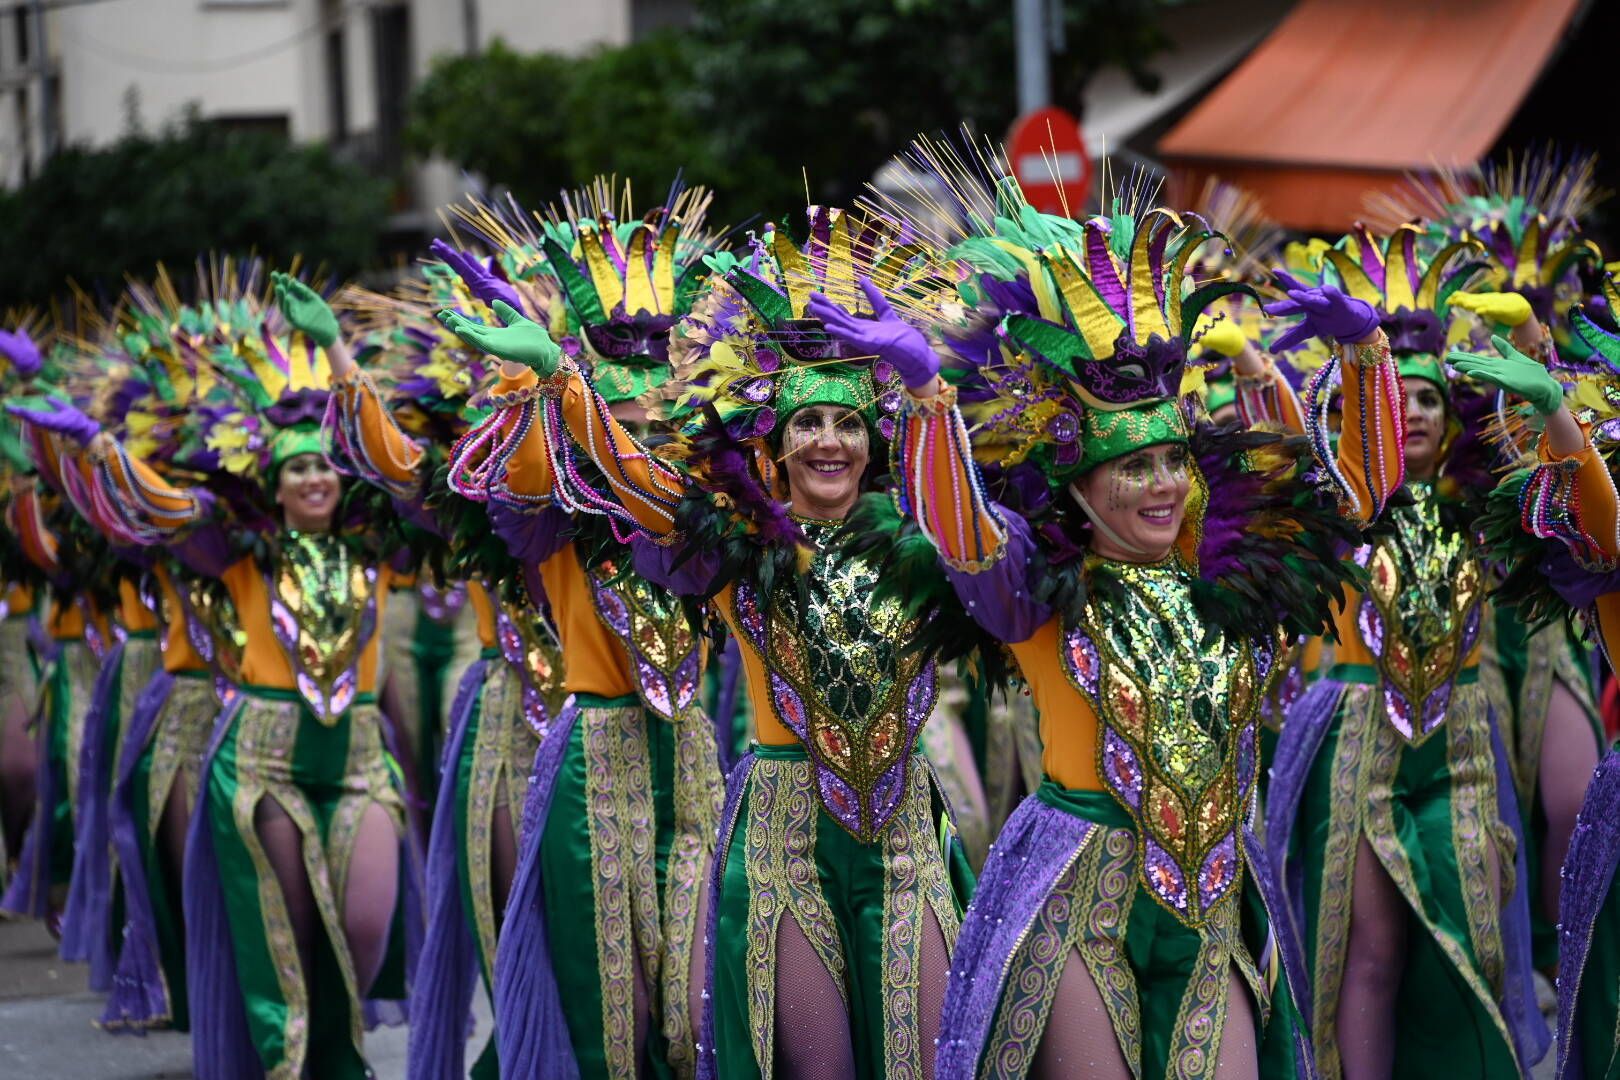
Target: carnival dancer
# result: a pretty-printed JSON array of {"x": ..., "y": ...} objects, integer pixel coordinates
[
  {"x": 294, "y": 874},
  {"x": 1568, "y": 503},
  {"x": 595, "y": 962},
  {"x": 1391, "y": 774},
  {"x": 1127, "y": 923},
  {"x": 833, "y": 905},
  {"x": 21, "y": 662},
  {"x": 395, "y": 433}
]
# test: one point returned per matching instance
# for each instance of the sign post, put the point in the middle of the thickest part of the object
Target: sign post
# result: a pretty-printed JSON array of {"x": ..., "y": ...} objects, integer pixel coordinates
[{"x": 1048, "y": 156}]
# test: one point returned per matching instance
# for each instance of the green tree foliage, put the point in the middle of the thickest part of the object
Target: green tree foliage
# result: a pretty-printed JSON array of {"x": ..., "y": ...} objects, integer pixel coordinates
[
  {"x": 756, "y": 91},
  {"x": 94, "y": 216}
]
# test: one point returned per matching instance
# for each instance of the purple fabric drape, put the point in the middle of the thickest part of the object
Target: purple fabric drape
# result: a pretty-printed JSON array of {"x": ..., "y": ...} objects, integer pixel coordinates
[
  {"x": 441, "y": 996},
  {"x": 139, "y": 998},
  {"x": 736, "y": 784},
  {"x": 1594, "y": 853},
  {"x": 87, "y": 933},
  {"x": 532, "y": 1035}
]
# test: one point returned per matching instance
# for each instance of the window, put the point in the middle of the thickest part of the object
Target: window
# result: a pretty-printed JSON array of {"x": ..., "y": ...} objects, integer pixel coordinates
[{"x": 337, "y": 84}]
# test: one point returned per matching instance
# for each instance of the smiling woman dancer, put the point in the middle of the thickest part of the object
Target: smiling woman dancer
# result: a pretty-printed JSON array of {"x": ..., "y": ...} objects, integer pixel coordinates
[
  {"x": 294, "y": 864},
  {"x": 833, "y": 909},
  {"x": 1144, "y": 568},
  {"x": 1390, "y": 773}
]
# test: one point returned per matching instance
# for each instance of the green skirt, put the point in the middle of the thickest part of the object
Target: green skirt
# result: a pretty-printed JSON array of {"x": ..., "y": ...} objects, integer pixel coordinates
[
  {"x": 634, "y": 808},
  {"x": 172, "y": 758},
  {"x": 1429, "y": 813},
  {"x": 324, "y": 778},
  {"x": 860, "y": 905}
]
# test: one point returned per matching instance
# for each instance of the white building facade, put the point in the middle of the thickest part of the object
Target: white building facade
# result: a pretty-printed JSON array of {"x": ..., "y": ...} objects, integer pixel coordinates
[{"x": 338, "y": 71}]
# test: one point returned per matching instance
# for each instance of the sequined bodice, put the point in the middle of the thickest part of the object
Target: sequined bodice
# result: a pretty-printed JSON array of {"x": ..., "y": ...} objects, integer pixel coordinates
[
  {"x": 841, "y": 680},
  {"x": 323, "y": 609},
  {"x": 1178, "y": 710},
  {"x": 666, "y": 657},
  {"x": 529, "y": 645},
  {"x": 1420, "y": 616},
  {"x": 212, "y": 626}
]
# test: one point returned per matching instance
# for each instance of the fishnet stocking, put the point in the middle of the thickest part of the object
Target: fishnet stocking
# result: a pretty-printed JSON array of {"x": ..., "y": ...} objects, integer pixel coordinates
[
  {"x": 284, "y": 847},
  {"x": 1374, "y": 961},
  {"x": 698, "y": 975},
  {"x": 17, "y": 767},
  {"x": 1079, "y": 1039},
  {"x": 813, "y": 1040},
  {"x": 1239, "y": 1056},
  {"x": 933, "y": 969},
  {"x": 1569, "y": 753},
  {"x": 371, "y": 892},
  {"x": 502, "y": 859}
]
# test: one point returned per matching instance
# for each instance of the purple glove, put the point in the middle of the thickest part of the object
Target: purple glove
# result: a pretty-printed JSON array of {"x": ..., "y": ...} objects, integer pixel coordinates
[
  {"x": 885, "y": 335},
  {"x": 484, "y": 284},
  {"x": 1328, "y": 314},
  {"x": 54, "y": 414},
  {"x": 20, "y": 349}
]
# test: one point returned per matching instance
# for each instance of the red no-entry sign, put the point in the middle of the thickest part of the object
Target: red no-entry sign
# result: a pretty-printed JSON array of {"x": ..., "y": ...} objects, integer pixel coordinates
[{"x": 1048, "y": 155}]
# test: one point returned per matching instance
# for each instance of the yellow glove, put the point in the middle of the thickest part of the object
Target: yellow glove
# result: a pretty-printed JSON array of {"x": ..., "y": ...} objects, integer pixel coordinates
[
  {"x": 1500, "y": 308},
  {"x": 1225, "y": 338}
]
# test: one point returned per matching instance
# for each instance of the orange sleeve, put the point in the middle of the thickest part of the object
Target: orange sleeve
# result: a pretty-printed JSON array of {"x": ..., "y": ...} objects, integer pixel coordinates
[
  {"x": 368, "y": 440},
  {"x": 506, "y": 454},
  {"x": 645, "y": 488},
  {"x": 1370, "y": 465},
  {"x": 27, "y": 520},
  {"x": 1581, "y": 507},
  {"x": 939, "y": 484},
  {"x": 139, "y": 500},
  {"x": 1267, "y": 398}
]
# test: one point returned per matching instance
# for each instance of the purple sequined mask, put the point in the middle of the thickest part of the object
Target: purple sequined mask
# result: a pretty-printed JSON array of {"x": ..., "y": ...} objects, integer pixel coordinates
[
  {"x": 1411, "y": 332},
  {"x": 1135, "y": 373},
  {"x": 625, "y": 336},
  {"x": 307, "y": 406}
]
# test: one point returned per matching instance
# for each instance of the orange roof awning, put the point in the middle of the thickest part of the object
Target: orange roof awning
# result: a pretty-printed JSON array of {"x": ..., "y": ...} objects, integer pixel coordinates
[{"x": 1343, "y": 98}]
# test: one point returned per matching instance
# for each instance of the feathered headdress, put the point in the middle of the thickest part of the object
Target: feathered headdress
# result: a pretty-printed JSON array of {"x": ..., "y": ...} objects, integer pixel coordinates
[
  {"x": 1410, "y": 291},
  {"x": 748, "y": 349},
  {"x": 622, "y": 281}
]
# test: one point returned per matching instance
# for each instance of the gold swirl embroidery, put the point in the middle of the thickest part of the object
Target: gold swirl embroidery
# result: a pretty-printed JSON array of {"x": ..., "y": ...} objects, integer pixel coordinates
[{"x": 618, "y": 807}]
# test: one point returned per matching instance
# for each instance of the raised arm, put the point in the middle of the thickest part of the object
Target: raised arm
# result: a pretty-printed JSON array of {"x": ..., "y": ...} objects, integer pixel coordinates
[
  {"x": 1570, "y": 495},
  {"x": 1369, "y": 463},
  {"x": 548, "y": 418},
  {"x": 26, "y": 519},
  {"x": 986, "y": 550}
]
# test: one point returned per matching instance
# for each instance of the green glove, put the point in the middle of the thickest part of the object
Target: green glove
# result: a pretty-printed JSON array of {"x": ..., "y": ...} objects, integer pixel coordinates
[
  {"x": 520, "y": 341},
  {"x": 305, "y": 309},
  {"x": 1514, "y": 372}
]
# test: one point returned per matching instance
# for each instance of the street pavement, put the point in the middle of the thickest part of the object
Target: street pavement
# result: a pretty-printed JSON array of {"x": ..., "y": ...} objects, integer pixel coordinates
[{"x": 47, "y": 1023}]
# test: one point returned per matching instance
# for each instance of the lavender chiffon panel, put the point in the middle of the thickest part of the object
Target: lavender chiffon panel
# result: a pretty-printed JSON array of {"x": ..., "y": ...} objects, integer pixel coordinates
[
  {"x": 1588, "y": 873},
  {"x": 725, "y": 706},
  {"x": 683, "y": 570},
  {"x": 1304, "y": 729},
  {"x": 139, "y": 997},
  {"x": 736, "y": 784},
  {"x": 221, "y": 1048},
  {"x": 87, "y": 936},
  {"x": 1287, "y": 939},
  {"x": 441, "y": 995},
  {"x": 1531, "y": 1037},
  {"x": 29, "y": 893},
  {"x": 530, "y": 537},
  {"x": 532, "y": 1034},
  {"x": 998, "y": 597},
  {"x": 1028, "y": 858}
]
